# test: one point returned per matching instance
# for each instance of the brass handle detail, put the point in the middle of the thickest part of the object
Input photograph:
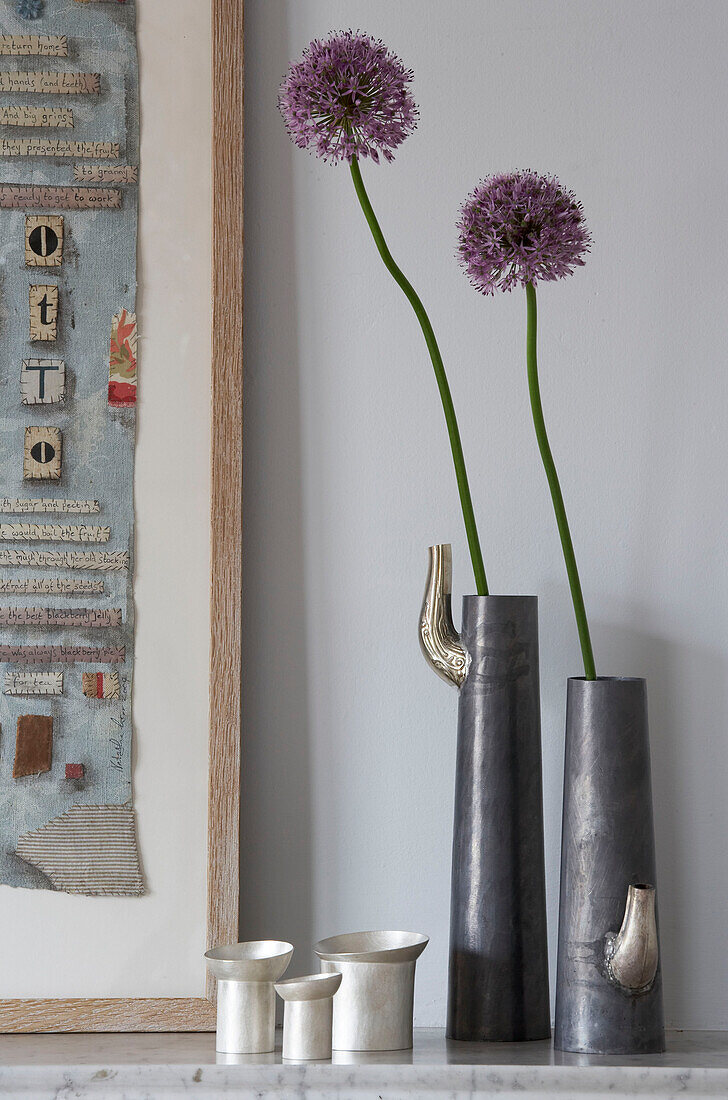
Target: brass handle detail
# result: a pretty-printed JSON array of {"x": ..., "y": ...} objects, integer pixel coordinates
[{"x": 439, "y": 640}]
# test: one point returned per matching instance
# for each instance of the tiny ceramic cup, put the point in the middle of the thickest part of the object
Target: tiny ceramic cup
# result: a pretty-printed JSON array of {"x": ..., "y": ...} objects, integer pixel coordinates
[
  {"x": 246, "y": 1011},
  {"x": 307, "y": 1015},
  {"x": 373, "y": 1009}
]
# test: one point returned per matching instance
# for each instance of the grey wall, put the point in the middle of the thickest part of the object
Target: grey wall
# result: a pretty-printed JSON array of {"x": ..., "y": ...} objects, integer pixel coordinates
[{"x": 349, "y": 738}]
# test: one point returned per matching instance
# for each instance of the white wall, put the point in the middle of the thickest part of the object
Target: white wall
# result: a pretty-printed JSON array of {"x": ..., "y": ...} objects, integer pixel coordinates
[{"x": 349, "y": 738}]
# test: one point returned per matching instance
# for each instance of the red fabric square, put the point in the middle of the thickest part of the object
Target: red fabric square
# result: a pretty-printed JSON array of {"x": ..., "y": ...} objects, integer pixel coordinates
[{"x": 74, "y": 771}]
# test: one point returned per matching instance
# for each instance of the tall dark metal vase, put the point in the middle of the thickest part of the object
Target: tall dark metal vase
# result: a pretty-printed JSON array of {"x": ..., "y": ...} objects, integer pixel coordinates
[
  {"x": 608, "y": 983},
  {"x": 498, "y": 972}
]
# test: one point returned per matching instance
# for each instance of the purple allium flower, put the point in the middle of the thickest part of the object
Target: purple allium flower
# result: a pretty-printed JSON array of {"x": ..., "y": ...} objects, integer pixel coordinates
[
  {"x": 348, "y": 97},
  {"x": 520, "y": 228}
]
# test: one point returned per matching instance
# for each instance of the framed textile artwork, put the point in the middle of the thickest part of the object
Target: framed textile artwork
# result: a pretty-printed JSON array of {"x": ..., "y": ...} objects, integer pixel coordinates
[
  {"x": 104, "y": 789},
  {"x": 75, "y": 424}
]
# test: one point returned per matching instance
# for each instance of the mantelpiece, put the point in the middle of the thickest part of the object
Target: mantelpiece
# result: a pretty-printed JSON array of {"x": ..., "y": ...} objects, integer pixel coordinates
[{"x": 140, "y": 1066}]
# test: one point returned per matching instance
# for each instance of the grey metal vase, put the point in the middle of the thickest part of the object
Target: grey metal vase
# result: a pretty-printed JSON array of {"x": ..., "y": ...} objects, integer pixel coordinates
[
  {"x": 498, "y": 968},
  {"x": 608, "y": 983}
]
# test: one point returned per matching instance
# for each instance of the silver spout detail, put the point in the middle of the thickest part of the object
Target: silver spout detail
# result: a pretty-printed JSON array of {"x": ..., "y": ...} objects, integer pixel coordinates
[
  {"x": 439, "y": 640},
  {"x": 631, "y": 955}
]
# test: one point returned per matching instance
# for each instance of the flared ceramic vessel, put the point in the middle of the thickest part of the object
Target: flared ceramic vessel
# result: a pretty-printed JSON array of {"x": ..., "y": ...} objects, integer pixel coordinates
[
  {"x": 373, "y": 1008},
  {"x": 245, "y": 975},
  {"x": 308, "y": 1016}
]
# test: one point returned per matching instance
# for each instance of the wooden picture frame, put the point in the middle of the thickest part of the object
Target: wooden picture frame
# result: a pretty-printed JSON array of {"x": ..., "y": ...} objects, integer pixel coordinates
[{"x": 198, "y": 1013}]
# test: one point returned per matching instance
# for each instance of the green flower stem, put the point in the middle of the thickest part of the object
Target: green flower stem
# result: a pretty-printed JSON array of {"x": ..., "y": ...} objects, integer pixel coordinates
[
  {"x": 452, "y": 425},
  {"x": 553, "y": 480}
]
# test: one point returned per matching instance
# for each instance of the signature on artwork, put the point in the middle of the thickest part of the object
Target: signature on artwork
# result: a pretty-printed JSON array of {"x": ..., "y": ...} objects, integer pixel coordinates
[{"x": 117, "y": 743}]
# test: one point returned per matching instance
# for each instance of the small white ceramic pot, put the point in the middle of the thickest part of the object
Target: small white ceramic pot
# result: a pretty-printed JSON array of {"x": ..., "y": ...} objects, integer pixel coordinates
[
  {"x": 374, "y": 1007},
  {"x": 245, "y": 975},
  {"x": 307, "y": 1015}
]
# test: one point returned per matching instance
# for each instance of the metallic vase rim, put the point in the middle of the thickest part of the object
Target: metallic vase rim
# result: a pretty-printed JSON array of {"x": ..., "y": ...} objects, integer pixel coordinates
[
  {"x": 607, "y": 680},
  {"x": 493, "y": 596},
  {"x": 309, "y": 987},
  {"x": 249, "y": 960},
  {"x": 375, "y": 946}
]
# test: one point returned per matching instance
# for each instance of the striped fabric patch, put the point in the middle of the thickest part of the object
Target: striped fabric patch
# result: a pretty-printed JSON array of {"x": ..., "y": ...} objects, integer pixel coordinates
[
  {"x": 89, "y": 850},
  {"x": 100, "y": 685}
]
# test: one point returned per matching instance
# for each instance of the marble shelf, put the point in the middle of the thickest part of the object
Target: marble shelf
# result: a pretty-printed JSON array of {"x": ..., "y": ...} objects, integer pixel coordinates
[{"x": 144, "y": 1067}]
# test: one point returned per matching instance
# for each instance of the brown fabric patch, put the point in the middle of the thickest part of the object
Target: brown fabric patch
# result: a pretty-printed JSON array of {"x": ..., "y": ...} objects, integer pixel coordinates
[{"x": 33, "y": 745}]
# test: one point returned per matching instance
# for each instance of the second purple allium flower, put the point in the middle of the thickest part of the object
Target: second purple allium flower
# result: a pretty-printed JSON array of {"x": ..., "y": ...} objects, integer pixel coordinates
[
  {"x": 348, "y": 96},
  {"x": 520, "y": 228}
]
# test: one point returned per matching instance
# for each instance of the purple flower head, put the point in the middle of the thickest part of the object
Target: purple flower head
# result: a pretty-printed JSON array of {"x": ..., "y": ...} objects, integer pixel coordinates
[
  {"x": 348, "y": 97},
  {"x": 520, "y": 228}
]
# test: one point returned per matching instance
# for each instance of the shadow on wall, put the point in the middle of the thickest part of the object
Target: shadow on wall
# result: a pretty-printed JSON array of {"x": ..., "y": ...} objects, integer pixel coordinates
[
  {"x": 689, "y": 765},
  {"x": 275, "y": 832}
]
